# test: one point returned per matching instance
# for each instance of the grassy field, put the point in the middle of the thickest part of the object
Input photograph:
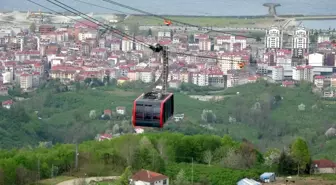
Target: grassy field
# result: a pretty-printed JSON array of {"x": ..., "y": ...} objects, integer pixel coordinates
[{"x": 201, "y": 21}]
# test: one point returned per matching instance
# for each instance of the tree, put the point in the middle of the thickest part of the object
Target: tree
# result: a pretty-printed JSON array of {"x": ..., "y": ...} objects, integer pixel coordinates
[
  {"x": 233, "y": 160},
  {"x": 149, "y": 32},
  {"x": 302, "y": 107},
  {"x": 208, "y": 157},
  {"x": 2, "y": 177},
  {"x": 300, "y": 154},
  {"x": 124, "y": 178},
  {"x": 191, "y": 38},
  {"x": 286, "y": 164},
  {"x": 180, "y": 178},
  {"x": 133, "y": 29},
  {"x": 272, "y": 156},
  {"x": 93, "y": 114},
  {"x": 116, "y": 129},
  {"x": 32, "y": 27}
]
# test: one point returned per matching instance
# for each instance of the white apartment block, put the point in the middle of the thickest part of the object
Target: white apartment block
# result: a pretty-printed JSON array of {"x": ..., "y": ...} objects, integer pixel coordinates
[
  {"x": 273, "y": 38},
  {"x": 126, "y": 45},
  {"x": 300, "y": 42},
  {"x": 231, "y": 42},
  {"x": 278, "y": 73}
]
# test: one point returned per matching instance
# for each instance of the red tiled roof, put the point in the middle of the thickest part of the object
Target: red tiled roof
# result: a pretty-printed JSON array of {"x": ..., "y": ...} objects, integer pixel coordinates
[
  {"x": 324, "y": 163},
  {"x": 148, "y": 176},
  {"x": 7, "y": 102},
  {"x": 319, "y": 77}
]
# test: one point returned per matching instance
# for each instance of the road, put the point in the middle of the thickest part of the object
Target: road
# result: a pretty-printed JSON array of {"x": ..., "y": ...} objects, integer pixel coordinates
[{"x": 87, "y": 180}]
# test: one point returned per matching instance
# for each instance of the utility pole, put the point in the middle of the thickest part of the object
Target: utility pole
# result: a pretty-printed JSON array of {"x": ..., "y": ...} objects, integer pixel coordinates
[
  {"x": 38, "y": 169},
  {"x": 52, "y": 171},
  {"x": 192, "y": 170},
  {"x": 76, "y": 157},
  {"x": 165, "y": 69}
]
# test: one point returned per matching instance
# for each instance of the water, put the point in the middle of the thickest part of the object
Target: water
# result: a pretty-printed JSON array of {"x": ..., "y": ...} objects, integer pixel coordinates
[{"x": 200, "y": 7}]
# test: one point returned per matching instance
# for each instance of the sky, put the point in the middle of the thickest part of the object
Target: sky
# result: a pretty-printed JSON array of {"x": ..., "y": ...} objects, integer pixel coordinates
[{"x": 191, "y": 7}]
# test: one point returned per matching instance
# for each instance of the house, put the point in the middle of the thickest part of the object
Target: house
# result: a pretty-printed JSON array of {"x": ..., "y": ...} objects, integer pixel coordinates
[
  {"x": 108, "y": 112},
  {"x": 139, "y": 130},
  {"x": 267, "y": 177},
  {"x": 323, "y": 166},
  {"x": 103, "y": 137},
  {"x": 7, "y": 104},
  {"x": 121, "y": 110},
  {"x": 145, "y": 177},
  {"x": 247, "y": 181}
]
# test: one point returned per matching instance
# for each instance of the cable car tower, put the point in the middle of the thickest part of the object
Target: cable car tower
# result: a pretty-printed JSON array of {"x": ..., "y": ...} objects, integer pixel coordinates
[{"x": 156, "y": 106}]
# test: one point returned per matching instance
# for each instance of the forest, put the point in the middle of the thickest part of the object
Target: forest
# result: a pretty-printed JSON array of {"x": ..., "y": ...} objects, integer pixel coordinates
[{"x": 207, "y": 159}]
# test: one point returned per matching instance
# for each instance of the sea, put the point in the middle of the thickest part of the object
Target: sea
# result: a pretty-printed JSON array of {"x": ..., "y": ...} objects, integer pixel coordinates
[{"x": 199, "y": 7}]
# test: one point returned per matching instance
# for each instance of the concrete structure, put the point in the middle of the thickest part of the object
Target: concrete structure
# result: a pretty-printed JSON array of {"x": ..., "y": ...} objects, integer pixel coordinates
[{"x": 271, "y": 8}]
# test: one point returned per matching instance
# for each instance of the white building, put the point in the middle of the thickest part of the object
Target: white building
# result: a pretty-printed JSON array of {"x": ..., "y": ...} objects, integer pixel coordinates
[
  {"x": 200, "y": 79},
  {"x": 147, "y": 76},
  {"x": 164, "y": 34},
  {"x": 204, "y": 44},
  {"x": 316, "y": 59},
  {"x": 145, "y": 177},
  {"x": 234, "y": 42},
  {"x": 82, "y": 36},
  {"x": 278, "y": 73},
  {"x": 319, "y": 81},
  {"x": 323, "y": 38},
  {"x": 300, "y": 42},
  {"x": 273, "y": 38},
  {"x": 298, "y": 73},
  {"x": 7, "y": 77},
  {"x": 229, "y": 62},
  {"x": 303, "y": 73},
  {"x": 26, "y": 81},
  {"x": 126, "y": 45}
]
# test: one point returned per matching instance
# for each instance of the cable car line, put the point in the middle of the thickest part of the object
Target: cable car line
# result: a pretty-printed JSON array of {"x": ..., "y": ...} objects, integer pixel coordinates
[
  {"x": 180, "y": 22},
  {"x": 120, "y": 33},
  {"x": 81, "y": 14},
  {"x": 58, "y": 12},
  {"x": 99, "y": 6}
]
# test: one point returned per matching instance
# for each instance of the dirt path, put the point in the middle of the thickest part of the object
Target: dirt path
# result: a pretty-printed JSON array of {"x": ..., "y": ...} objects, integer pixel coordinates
[{"x": 77, "y": 181}]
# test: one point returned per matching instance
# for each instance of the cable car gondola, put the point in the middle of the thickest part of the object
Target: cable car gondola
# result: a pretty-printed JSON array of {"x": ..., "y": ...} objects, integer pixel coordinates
[
  {"x": 153, "y": 109},
  {"x": 167, "y": 22}
]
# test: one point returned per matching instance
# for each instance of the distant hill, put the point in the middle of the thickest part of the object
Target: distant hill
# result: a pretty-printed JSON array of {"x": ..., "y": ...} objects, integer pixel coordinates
[{"x": 266, "y": 114}]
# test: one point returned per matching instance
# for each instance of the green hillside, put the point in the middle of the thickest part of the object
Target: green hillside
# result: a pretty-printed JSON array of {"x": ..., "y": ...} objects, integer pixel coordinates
[{"x": 272, "y": 122}]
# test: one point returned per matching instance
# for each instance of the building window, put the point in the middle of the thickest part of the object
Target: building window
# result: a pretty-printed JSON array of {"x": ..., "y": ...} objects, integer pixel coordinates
[{"x": 165, "y": 182}]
